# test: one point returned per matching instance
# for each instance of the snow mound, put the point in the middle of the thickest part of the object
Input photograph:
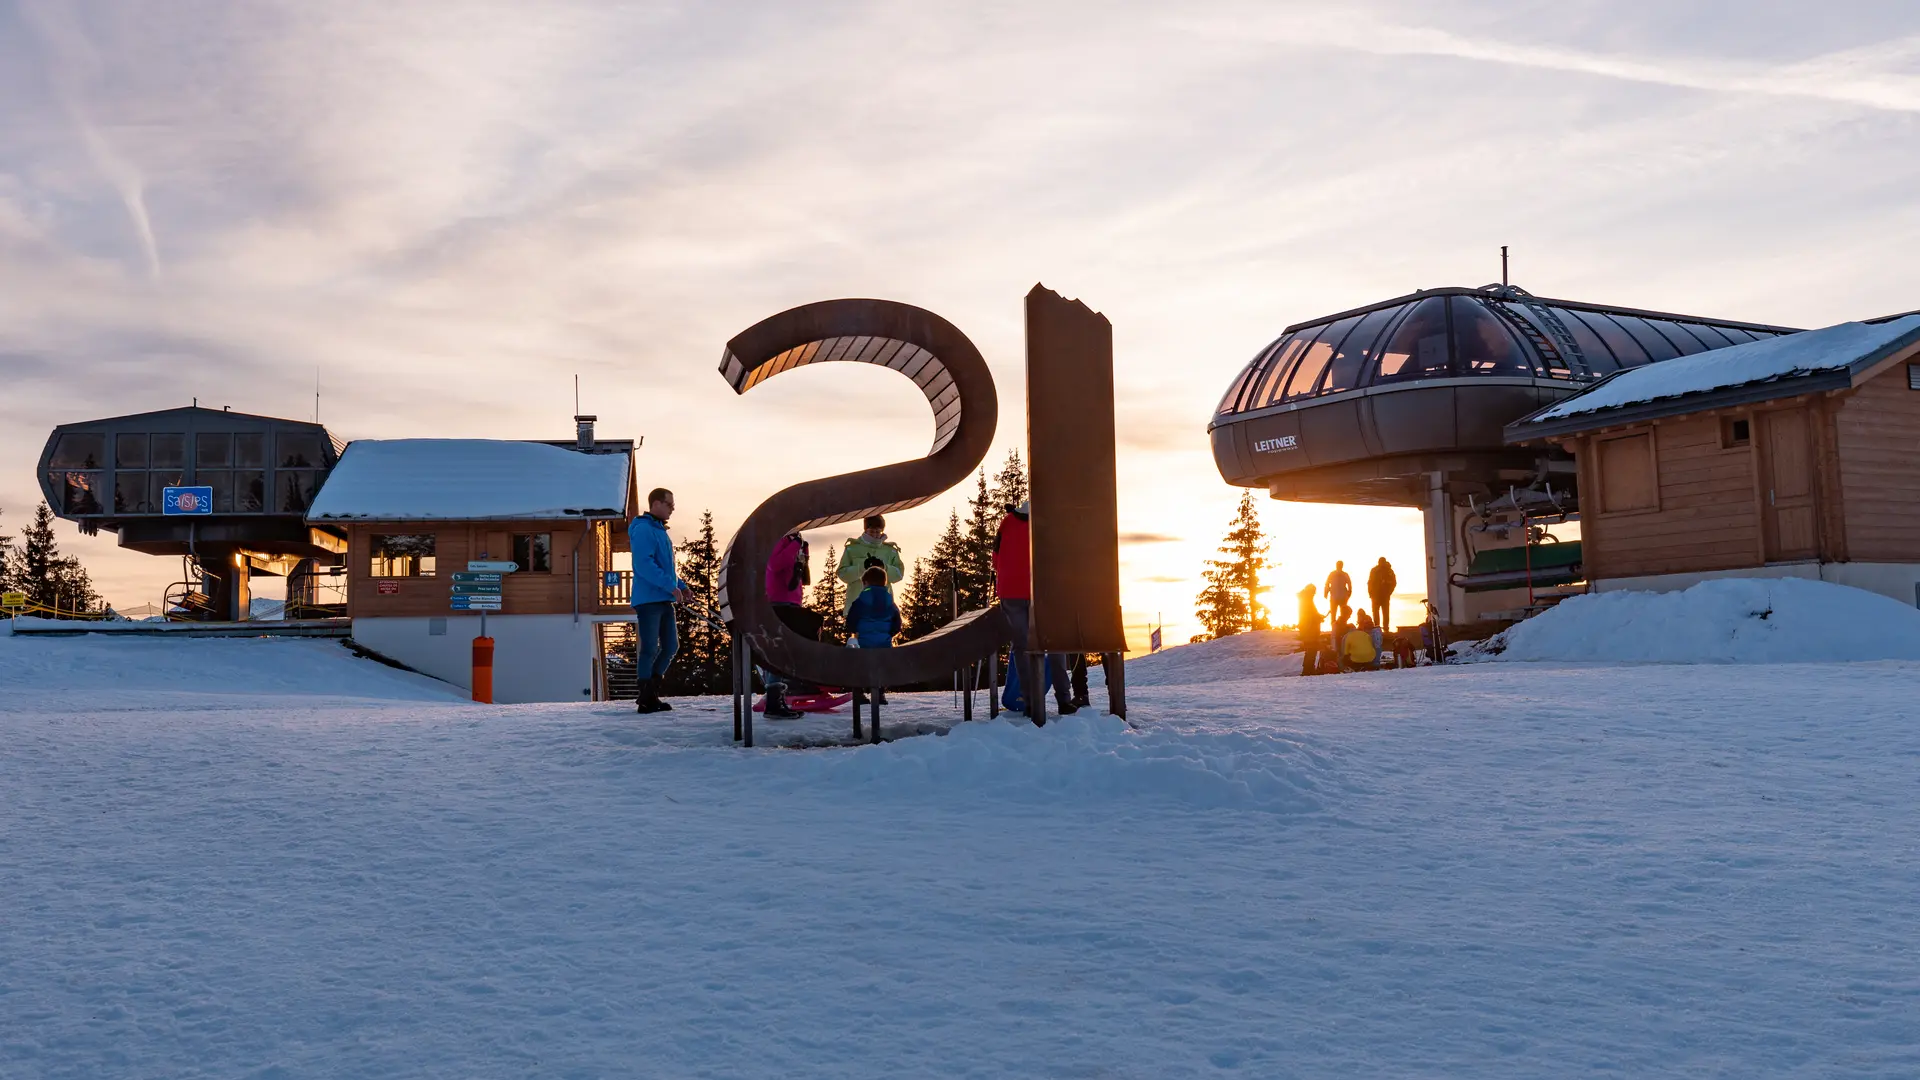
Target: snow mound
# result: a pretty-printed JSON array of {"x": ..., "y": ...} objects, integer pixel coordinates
[
  {"x": 1258, "y": 654},
  {"x": 1080, "y": 759},
  {"x": 1724, "y": 621},
  {"x": 115, "y": 669}
]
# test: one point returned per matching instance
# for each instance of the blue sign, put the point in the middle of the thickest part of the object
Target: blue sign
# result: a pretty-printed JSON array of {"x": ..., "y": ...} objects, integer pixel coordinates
[
  {"x": 475, "y": 603},
  {"x": 186, "y": 500},
  {"x": 613, "y": 579}
]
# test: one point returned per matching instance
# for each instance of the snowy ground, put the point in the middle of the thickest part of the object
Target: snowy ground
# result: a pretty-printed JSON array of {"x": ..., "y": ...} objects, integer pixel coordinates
[{"x": 267, "y": 859}]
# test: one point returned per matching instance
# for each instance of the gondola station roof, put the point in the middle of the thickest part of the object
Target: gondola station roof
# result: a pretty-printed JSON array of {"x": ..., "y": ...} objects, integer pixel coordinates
[
  {"x": 1362, "y": 405},
  {"x": 1835, "y": 358}
]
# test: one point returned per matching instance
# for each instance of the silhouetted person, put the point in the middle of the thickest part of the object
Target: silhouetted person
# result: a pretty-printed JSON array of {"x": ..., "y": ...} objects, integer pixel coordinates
[
  {"x": 1380, "y": 585},
  {"x": 1339, "y": 591},
  {"x": 1311, "y": 646}
]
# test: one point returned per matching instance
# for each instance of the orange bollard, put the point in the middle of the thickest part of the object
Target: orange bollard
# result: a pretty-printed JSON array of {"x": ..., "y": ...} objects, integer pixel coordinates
[{"x": 483, "y": 670}]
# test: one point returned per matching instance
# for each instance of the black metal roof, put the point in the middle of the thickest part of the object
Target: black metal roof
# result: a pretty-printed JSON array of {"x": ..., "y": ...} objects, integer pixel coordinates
[{"x": 1494, "y": 330}]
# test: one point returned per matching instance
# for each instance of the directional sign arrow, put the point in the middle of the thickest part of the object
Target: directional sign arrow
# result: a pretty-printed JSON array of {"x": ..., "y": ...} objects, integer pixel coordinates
[
  {"x": 477, "y": 579},
  {"x": 476, "y": 590}
]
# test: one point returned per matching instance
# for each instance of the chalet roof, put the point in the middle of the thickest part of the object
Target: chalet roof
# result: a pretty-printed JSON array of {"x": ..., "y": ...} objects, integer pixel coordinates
[
  {"x": 1832, "y": 358},
  {"x": 470, "y": 480}
]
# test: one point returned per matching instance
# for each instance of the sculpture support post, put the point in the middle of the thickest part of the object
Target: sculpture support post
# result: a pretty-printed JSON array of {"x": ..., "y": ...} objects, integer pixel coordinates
[{"x": 1114, "y": 666}]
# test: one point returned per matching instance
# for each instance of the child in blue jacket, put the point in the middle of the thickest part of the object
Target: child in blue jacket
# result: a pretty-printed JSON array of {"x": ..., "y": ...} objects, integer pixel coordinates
[{"x": 874, "y": 618}]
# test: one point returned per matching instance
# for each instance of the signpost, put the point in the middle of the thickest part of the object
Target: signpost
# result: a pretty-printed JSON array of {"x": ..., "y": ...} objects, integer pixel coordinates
[
  {"x": 194, "y": 501},
  {"x": 13, "y": 601},
  {"x": 480, "y": 589}
]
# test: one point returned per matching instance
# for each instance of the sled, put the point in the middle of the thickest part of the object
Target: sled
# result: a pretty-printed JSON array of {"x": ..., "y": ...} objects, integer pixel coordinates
[{"x": 809, "y": 703}]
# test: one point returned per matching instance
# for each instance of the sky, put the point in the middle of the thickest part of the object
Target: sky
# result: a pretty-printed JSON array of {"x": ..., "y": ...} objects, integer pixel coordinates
[{"x": 444, "y": 211}]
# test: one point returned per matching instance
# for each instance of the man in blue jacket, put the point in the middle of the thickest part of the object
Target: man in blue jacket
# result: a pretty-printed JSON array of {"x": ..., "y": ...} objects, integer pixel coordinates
[{"x": 656, "y": 588}]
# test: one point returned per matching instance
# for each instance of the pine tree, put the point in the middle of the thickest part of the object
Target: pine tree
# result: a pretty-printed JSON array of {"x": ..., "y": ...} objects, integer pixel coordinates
[
  {"x": 49, "y": 578},
  {"x": 1010, "y": 486},
  {"x": 702, "y": 665},
  {"x": 976, "y": 565},
  {"x": 6, "y": 563},
  {"x": 1230, "y": 603},
  {"x": 828, "y": 599}
]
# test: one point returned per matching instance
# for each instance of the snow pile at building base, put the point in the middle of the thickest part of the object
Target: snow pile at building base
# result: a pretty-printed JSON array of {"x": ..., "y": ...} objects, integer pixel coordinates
[
  {"x": 1080, "y": 758},
  {"x": 1257, "y": 654},
  {"x": 1724, "y": 621}
]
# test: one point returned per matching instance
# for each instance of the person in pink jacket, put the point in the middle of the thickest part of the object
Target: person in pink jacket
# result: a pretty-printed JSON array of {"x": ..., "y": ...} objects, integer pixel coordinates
[{"x": 787, "y": 578}]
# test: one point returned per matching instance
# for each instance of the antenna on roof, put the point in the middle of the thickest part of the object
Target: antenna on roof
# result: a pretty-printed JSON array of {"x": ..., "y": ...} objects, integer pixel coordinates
[
  {"x": 576, "y": 393},
  {"x": 1503, "y": 265},
  {"x": 316, "y": 393}
]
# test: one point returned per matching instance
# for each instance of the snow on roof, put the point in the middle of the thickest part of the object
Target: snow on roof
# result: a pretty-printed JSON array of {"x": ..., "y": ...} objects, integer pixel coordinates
[
  {"x": 1772, "y": 359},
  {"x": 469, "y": 480}
]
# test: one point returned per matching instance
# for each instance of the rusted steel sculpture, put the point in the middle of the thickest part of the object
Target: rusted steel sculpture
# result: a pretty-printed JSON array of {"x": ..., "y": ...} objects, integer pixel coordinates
[{"x": 952, "y": 374}]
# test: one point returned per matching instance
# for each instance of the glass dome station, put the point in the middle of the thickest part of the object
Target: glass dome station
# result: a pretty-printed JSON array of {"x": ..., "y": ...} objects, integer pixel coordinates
[{"x": 1401, "y": 403}]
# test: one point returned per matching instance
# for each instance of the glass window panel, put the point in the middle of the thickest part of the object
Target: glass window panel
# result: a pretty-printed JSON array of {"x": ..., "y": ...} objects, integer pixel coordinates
[
  {"x": 297, "y": 450},
  {"x": 1626, "y": 351},
  {"x": 534, "y": 552},
  {"x": 169, "y": 452},
  {"x": 1482, "y": 344},
  {"x": 130, "y": 493},
  {"x": 1656, "y": 344},
  {"x": 1231, "y": 400},
  {"x": 79, "y": 450},
  {"x": 1698, "y": 338},
  {"x": 157, "y": 483},
  {"x": 296, "y": 488},
  {"x": 1275, "y": 377},
  {"x": 130, "y": 452},
  {"x": 221, "y": 481},
  {"x": 212, "y": 450},
  {"x": 1313, "y": 362},
  {"x": 249, "y": 492},
  {"x": 1418, "y": 348},
  {"x": 1737, "y": 335},
  {"x": 402, "y": 554},
  {"x": 250, "y": 450},
  {"x": 79, "y": 492},
  {"x": 1355, "y": 354}
]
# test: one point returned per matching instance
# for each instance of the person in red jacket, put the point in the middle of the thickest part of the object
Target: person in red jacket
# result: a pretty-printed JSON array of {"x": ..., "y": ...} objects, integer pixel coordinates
[
  {"x": 787, "y": 575},
  {"x": 1013, "y": 584}
]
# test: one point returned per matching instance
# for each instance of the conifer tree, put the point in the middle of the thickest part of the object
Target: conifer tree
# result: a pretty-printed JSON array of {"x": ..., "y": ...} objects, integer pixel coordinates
[
  {"x": 976, "y": 569},
  {"x": 1230, "y": 602},
  {"x": 828, "y": 599},
  {"x": 6, "y": 562},
  {"x": 702, "y": 664},
  {"x": 49, "y": 578}
]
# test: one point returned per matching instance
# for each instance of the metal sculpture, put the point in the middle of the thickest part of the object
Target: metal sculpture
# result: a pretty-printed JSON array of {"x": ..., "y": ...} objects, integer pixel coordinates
[{"x": 953, "y": 375}]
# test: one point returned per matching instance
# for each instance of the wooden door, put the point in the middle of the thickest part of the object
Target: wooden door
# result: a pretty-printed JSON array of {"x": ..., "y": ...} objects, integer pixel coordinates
[{"x": 1787, "y": 507}]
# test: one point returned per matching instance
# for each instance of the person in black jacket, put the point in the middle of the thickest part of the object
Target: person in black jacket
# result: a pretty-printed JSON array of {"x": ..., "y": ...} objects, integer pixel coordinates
[
  {"x": 1312, "y": 648},
  {"x": 1380, "y": 585}
]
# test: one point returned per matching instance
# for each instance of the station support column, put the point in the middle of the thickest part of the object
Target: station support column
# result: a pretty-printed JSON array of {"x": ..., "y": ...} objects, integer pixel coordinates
[{"x": 1438, "y": 518}]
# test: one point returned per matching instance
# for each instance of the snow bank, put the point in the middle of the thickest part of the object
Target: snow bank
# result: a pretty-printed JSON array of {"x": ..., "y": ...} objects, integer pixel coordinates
[
  {"x": 109, "y": 669},
  {"x": 1259, "y": 654},
  {"x": 1081, "y": 758},
  {"x": 1725, "y": 621}
]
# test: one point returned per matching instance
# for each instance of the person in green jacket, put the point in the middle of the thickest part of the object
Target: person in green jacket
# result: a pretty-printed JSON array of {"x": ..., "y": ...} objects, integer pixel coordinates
[{"x": 870, "y": 548}]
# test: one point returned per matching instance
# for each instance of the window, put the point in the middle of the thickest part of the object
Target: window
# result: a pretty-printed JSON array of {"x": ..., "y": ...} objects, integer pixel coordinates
[
  {"x": 1418, "y": 349},
  {"x": 297, "y": 450},
  {"x": 402, "y": 554},
  {"x": 221, "y": 481},
  {"x": 1625, "y": 468},
  {"x": 1482, "y": 344},
  {"x": 249, "y": 492},
  {"x": 130, "y": 451},
  {"x": 1656, "y": 344},
  {"x": 1624, "y": 348},
  {"x": 1274, "y": 375},
  {"x": 169, "y": 451},
  {"x": 79, "y": 492},
  {"x": 157, "y": 483},
  {"x": 130, "y": 493},
  {"x": 296, "y": 487},
  {"x": 1355, "y": 355},
  {"x": 1913, "y": 376},
  {"x": 1735, "y": 433},
  {"x": 534, "y": 552},
  {"x": 250, "y": 451},
  {"x": 212, "y": 451},
  {"x": 79, "y": 451},
  {"x": 1306, "y": 379}
]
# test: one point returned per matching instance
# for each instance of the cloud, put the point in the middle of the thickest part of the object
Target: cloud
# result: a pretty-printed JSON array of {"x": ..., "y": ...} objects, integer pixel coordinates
[
  {"x": 1164, "y": 579},
  {"x": 1148, "y": 538}
]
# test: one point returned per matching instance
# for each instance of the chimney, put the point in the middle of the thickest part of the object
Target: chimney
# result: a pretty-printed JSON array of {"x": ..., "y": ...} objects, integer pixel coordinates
[{"x": 583, "y": 432}]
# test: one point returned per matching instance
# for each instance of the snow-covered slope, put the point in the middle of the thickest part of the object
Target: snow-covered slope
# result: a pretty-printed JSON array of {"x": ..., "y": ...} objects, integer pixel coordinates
[
  {"x": 1259, "y": 654},
  {"x": 1729, "y": 620}
]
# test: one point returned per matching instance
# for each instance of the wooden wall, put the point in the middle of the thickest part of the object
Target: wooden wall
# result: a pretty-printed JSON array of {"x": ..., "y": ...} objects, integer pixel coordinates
[
  {"x": 1705, "y": 519},
  {"x": 551, "y": 593},
  {"x": 1878, "y": 430}
]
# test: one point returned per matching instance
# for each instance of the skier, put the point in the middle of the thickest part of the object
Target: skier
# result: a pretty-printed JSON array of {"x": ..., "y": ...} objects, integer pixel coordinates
[
  {"x": 1339, "y": 591},
  {"x": 1013, "y": 584},
  {"x": 656, "y": 588},
  {"x": 1310, "y": 644},
  {"x": 1380, "y": 583}
]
